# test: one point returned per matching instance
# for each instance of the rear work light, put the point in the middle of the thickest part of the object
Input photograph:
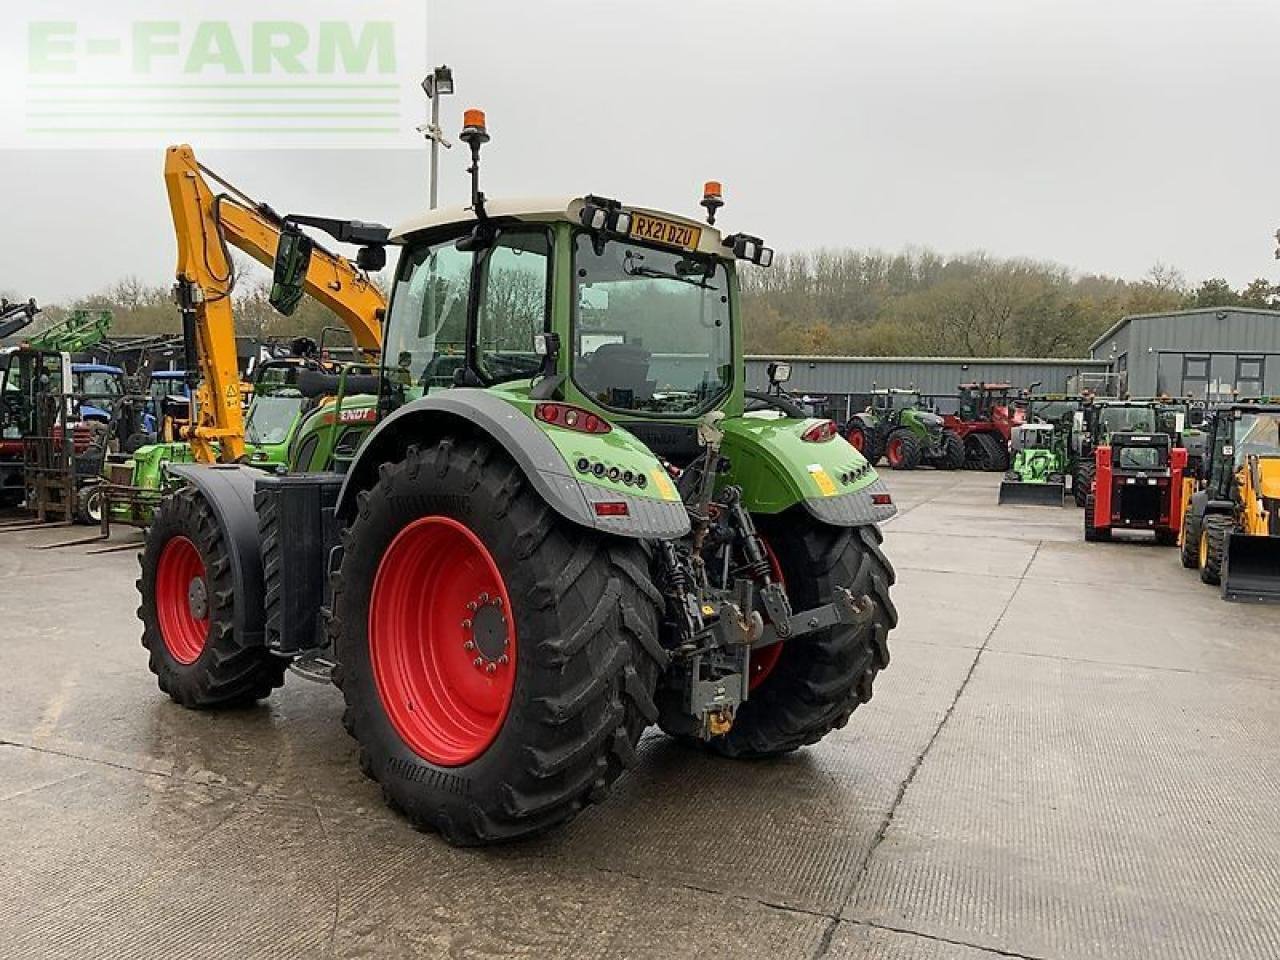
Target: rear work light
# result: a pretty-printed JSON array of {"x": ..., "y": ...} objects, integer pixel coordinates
[
  {"x": 820, "y": 432},
  {"x": 571, "y": 418},
  {"x": 612, "y": 508}
]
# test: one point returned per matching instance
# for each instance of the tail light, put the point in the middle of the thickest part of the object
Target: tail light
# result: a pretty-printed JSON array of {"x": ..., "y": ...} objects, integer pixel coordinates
[
  {"x": 820, "y": 432},
  {"x": 571, "y": 418},
  {"x": 611, "y": 508},
  {"x": 881, "y": 499}
]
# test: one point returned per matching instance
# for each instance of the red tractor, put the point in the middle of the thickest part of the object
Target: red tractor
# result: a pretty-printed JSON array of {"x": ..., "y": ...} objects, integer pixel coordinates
[
  {"x": 1137, "y": 485},
  {"x": 985, "y": 419}
]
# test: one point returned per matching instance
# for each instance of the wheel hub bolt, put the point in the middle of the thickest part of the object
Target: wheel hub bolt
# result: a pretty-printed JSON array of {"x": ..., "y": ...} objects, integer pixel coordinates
[
  {"x": 469, "y": 645},
  {"x": 489, "y": 668},
  {"x": 477, "y": 662}
]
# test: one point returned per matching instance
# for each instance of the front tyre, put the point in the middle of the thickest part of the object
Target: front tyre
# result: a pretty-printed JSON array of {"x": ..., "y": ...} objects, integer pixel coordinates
[
  {"x": 188, "y": 606},
  {"x": 498, "y": 662},
  {"x": 816, "y": 681}
]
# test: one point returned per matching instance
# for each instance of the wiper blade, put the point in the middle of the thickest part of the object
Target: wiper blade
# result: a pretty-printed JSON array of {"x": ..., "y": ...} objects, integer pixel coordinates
[{"x": 653, "y": 274}]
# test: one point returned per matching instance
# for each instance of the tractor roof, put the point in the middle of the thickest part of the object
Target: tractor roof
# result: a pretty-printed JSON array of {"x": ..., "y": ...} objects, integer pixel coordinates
[
  {"x": 544, "y": 209},
  {"x": 1246, "y": 406}
]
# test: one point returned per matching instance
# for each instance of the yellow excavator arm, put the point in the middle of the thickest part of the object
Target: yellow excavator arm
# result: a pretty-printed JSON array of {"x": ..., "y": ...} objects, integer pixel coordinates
[{"x": 205, "y": 222}]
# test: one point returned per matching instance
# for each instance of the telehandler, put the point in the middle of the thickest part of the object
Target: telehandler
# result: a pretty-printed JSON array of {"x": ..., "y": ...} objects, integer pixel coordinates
[
  {"x": 564, "y": 527},
  {"x": 1231, "y": 508}
]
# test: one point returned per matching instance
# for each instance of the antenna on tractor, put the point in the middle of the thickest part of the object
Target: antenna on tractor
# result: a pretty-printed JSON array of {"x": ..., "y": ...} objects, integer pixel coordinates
[
  {"x": 474, "y": 134},
  {"x": 712, "y": 199}
]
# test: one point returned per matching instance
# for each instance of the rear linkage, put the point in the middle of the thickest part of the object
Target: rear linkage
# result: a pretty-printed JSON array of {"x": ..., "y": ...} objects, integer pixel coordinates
[{"x": 713, "y": 624}]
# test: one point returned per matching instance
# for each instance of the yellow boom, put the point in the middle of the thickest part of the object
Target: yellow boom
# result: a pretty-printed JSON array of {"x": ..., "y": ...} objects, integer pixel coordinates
[{"x": 205, "y": 222}]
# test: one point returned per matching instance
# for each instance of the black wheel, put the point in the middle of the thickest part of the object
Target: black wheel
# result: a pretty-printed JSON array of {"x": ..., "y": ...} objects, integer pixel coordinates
[
  {"x": 814, "y": 682},
  {"x": 995, "y": 454},
  {"x": 1213, "y": 546},
  {"x": 89, "y": 505},
  {"x": 865, "y": 440},
  {"x": 136, "y": 441},
  {"x": 1082, "y": 481},
  {"x": 1189, "y": 553},
  {"x": 188, "y": 595},
  {"x": 498, "y": 662},
  {"x": 953, "y": 455},
  {"x": 903, "y": 450},
  {"x": 1092, "y": 533}
]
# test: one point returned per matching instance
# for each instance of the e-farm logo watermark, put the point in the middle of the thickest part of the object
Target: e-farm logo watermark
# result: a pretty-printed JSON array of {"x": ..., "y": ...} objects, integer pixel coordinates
[{"x": 268, "y": 73}]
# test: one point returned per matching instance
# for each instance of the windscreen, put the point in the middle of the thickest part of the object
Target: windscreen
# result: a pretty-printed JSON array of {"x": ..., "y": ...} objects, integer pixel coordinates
[
  {"x": 271, "y": 417},
  {"x": 1256, "y": 434},
  {"x": 652, "y": 330}
]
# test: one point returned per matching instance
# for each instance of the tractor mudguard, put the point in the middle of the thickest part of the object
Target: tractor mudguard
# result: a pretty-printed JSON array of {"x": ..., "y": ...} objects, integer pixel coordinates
[
  {"x": 228, "y": 488},
  {"x": 657, "y": 514},
  {"x": 777, "y": 469}
]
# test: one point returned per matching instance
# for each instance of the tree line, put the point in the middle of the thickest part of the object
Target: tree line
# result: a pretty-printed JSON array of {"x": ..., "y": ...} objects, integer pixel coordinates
[
  {"x": 919, "y": 303},
  {"x": 834, "y": 302}
]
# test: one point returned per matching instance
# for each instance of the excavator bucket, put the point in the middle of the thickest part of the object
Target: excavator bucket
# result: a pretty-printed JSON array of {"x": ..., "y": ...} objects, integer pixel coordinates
[
  {"x": 1021, "y": 493},
  {"x": 1251, "y": 568}
]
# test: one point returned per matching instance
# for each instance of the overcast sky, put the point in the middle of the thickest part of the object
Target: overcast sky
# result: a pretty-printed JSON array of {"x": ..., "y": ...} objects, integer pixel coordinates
[{"x": 1102, "y": 134}]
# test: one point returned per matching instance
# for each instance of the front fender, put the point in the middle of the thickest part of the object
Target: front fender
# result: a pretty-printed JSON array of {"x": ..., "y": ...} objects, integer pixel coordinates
[
  {"x": 777, "y": 469},
  {"x": 228, "y": 489},
  {"x": 547, "y": 455}
]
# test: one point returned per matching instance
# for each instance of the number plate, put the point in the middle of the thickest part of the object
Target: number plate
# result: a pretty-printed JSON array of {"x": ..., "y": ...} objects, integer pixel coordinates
[{"x": 667, "y": 232}]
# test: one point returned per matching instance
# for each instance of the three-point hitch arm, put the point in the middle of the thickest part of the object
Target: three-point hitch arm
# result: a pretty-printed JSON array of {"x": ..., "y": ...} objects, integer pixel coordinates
[{"x": 205, "y": 222}]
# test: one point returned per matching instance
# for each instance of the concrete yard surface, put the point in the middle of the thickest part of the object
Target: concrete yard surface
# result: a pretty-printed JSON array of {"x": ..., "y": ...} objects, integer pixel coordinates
[{"x": 1072, "y": 755}]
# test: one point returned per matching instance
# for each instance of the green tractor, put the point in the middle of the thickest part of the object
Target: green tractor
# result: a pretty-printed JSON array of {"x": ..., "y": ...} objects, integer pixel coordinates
[
  {"x": 1036, "y": 474},
  {"x": 899, "y": 426},
  {"x": 581, "y": 533}
]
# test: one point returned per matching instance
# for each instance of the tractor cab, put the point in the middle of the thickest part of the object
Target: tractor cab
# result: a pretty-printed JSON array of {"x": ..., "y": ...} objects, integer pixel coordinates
[{"x": 98, "y": 389}]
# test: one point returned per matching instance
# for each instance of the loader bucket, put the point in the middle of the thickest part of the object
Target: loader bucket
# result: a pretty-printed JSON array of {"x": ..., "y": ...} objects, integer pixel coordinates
[
  {"x": 1020, "y": 493},
  {"x": 1251, "y": 568}
]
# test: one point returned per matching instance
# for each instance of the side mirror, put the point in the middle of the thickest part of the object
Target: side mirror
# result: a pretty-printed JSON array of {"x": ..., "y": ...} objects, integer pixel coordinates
[
  {"x": 372, "y": 258},
  {"x": 289, "y": 275}
]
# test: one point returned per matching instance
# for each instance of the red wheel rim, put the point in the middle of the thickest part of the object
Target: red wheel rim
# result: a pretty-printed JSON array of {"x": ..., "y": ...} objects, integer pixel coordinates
[
  {"x": 894, "y": 452},
  {"x": 182, "y": 600},
  {"x": 765, "y": 659},
  {"x": 856, "y": 439},
  {"x": 442, "y": 641}
]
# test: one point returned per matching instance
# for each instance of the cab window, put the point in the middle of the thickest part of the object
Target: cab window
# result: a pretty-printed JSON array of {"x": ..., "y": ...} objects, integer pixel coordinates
[
  {"x": 427, "y": 329},
  {"x": 513, "y": 306}
]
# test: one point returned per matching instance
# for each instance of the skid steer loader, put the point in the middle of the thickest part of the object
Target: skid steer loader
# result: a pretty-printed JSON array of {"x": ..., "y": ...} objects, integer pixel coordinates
[{"x": 1231, "y": 526}]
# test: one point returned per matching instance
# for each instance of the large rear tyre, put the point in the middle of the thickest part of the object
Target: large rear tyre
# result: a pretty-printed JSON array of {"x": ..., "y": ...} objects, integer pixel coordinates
[
  {"x": 1213, "y": 547},
  {"x": 903, "y": 450},
  {"x": 188, "y": 597},
  {"x": 498, "y": 662},
  {"x": 1082, "y": 481},
  {"x": 1189, "y": 553},
  {"x": 816, "y": 681},
  {"x": 865, "y": 441}
]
